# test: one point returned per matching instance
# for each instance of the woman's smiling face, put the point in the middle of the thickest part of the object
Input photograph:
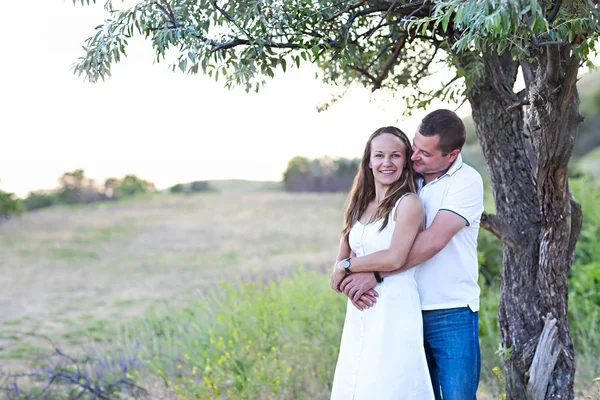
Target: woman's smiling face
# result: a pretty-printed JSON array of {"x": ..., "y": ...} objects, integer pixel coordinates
[{"x": 387, "y": 159}]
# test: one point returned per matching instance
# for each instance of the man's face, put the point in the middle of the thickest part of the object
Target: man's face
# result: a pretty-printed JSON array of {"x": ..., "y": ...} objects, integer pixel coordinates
[{"x": 428, "y": 159}]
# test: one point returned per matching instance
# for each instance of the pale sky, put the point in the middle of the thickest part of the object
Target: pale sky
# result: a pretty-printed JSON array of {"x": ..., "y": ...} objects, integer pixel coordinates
[{"x": 163, "y": 126}]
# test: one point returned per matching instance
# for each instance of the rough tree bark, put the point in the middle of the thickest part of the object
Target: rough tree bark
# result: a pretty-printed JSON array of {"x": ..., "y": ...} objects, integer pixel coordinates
[{"x": 536, "y": 218}]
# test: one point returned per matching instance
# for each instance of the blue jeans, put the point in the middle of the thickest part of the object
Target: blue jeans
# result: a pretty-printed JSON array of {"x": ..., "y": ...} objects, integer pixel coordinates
[{"x": 452, "y": 350}]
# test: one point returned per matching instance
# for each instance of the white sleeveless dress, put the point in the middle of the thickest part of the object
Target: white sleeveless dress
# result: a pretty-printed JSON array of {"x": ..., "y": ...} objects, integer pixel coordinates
[{"x": 381, "y": 353}]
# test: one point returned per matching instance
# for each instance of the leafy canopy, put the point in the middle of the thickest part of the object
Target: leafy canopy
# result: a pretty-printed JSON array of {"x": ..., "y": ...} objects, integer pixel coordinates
[{"x": 382, "y": 44}]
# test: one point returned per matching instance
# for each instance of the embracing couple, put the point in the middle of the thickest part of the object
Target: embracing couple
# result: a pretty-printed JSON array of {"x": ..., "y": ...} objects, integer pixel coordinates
[{"x": 407, "y": 261}]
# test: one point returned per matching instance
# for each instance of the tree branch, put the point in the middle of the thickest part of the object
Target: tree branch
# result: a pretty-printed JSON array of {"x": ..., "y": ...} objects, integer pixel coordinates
[
  {"x": 168, "y": 11},
  {"x": 576, "y": 223},
  {"x": 519, "y": 103},
  {"x": 569, "y": 82},
  {"x": 499, "y": 81},
  {"x": 363, "y": 71},
  {"x": 347, "y": 9},
  {"x": 223, "y": 12},
  {"x": 426, "y": 65},
  {"x": 383, "y": 17},
  {"x": 552, "y": 63},
  {"x": 245, "y": 42},
  {"x": 555, "y": 7},
  {"x": 551, "y": 42},
  {"x": 71, "y": 373},
  {"x": 528, "y": 74},
  {"x": 412, "y": 8},
  {"x": 361, "y": 13},
  {"x": 391, "y": 61},
  {"x": 497, "y": 227}
]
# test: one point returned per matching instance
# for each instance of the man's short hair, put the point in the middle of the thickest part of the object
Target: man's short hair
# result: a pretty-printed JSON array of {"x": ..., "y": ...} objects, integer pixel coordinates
[{"x": 448, "y": 126}]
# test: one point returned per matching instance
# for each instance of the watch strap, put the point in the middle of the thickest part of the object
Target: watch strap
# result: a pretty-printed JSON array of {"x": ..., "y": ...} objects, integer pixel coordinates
[{"x": 347, "y": 265}]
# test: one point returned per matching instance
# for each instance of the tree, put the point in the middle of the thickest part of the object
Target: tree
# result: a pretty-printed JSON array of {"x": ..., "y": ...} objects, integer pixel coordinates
[
  {"x": 76, "y": 188},
  {"x": 527, "y": 136},
  {"x": 319, "y": 175}
]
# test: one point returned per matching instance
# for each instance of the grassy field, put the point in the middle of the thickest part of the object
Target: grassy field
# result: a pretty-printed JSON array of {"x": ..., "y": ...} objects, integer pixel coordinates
[
  {"x": 72, "y": 273},
  {"x": 213, "y": 295}
]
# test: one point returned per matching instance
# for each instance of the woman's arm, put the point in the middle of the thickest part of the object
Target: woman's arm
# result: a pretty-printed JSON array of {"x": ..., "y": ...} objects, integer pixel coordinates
[
  {"x": 409, "y": 219},
  {"x": 343, "y": 250},
  {"x": 369, "y": 296},
  {"x": 343, "y": 253}
]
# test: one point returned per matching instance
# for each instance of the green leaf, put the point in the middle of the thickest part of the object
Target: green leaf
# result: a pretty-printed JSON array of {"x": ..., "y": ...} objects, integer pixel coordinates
[
  {"x": 446, "y": 20},
  {"x": 315, "y": 50}
]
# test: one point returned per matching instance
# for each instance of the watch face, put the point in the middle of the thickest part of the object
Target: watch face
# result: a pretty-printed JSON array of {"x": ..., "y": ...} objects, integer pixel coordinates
[{"x": 346, "y": 263}]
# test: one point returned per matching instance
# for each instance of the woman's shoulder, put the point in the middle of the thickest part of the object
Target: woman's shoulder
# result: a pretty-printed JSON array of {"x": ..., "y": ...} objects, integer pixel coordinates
[
  {"x": 408, "y": 202},
  {"x": 408, "y": 199}
]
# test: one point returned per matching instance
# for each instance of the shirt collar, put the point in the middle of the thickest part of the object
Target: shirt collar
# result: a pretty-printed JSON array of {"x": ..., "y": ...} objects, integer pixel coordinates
[{"x": 456, "y": 165}]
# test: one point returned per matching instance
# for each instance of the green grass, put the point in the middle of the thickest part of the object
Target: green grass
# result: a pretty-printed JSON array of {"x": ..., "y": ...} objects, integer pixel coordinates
[
  {"x": 24, "y": 352},
  {"x": 74, "y": 254},
  {"x": 252, "y": 340},
  {"x": 589, "y": 164},
  {"x": 86, "y": 235}
]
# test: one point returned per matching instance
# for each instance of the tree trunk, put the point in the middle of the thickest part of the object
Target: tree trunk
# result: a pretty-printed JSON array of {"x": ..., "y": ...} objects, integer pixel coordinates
[{"x": 536, "y": 219}]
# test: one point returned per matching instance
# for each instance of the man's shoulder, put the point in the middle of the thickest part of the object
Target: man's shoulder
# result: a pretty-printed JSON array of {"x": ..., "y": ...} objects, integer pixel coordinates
[{"x": 468, "y": 172}]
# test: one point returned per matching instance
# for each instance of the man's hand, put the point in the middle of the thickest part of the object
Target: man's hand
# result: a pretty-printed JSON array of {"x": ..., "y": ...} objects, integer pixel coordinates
[
  {"x": 337, "y": 276},
  {"x": 357, "y": 284},
  {"x": 367, "y": 300}
]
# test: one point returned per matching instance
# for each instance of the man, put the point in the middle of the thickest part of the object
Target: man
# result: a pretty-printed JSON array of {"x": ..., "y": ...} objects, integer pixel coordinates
[{"x": 446, "y": 253}]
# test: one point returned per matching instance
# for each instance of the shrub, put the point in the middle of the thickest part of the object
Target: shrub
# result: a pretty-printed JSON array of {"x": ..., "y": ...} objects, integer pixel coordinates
[
  {"x": 131, "y": 185},
  {"x": 10, "y": 204},
  {"x": 39, "y": 199},
  {"x": 177, "y": 188},
  {"x": 191, "y": 187}
]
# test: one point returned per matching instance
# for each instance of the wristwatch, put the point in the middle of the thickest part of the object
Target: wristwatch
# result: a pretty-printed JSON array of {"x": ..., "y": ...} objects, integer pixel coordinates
[{"x": 346, "y": 265}]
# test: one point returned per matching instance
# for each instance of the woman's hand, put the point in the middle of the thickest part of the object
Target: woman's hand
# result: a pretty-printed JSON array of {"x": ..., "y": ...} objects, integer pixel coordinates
[
  {"x": 358, "y": 284},
  {"x": 337, "y": 276}
]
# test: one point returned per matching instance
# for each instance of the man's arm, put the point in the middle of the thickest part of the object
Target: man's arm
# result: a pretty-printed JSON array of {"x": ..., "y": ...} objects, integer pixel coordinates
[
  {"x": 426, "y": 245},
  {"x": 432, "y": 240},
  {"x": 462, "y": 205}
]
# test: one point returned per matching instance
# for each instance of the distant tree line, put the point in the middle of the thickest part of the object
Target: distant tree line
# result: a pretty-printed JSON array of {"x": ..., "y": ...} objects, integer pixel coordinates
[
  {"x": 320, "y": 175},
  {"x": 302, "y": 174},
  {"x": 75, "y": 188}
]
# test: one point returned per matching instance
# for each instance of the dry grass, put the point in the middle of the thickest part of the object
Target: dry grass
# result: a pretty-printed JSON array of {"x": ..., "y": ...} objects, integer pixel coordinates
[{"x": 72, "y": 273}]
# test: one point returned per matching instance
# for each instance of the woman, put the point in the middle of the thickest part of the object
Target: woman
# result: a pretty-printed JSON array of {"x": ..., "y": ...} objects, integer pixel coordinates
[{"x": 381, "y": 352}]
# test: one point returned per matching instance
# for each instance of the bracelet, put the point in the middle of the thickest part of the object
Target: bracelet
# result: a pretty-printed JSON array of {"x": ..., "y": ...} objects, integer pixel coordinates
[{"x": 378, "y": 277}]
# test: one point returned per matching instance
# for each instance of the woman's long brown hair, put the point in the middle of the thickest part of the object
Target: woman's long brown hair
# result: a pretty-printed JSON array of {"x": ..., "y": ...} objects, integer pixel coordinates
[{"x": 363, "y": 186}]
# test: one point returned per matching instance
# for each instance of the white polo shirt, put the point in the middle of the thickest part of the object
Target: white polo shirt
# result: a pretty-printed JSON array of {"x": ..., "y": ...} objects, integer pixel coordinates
[{"x": 449, "y": 279}]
